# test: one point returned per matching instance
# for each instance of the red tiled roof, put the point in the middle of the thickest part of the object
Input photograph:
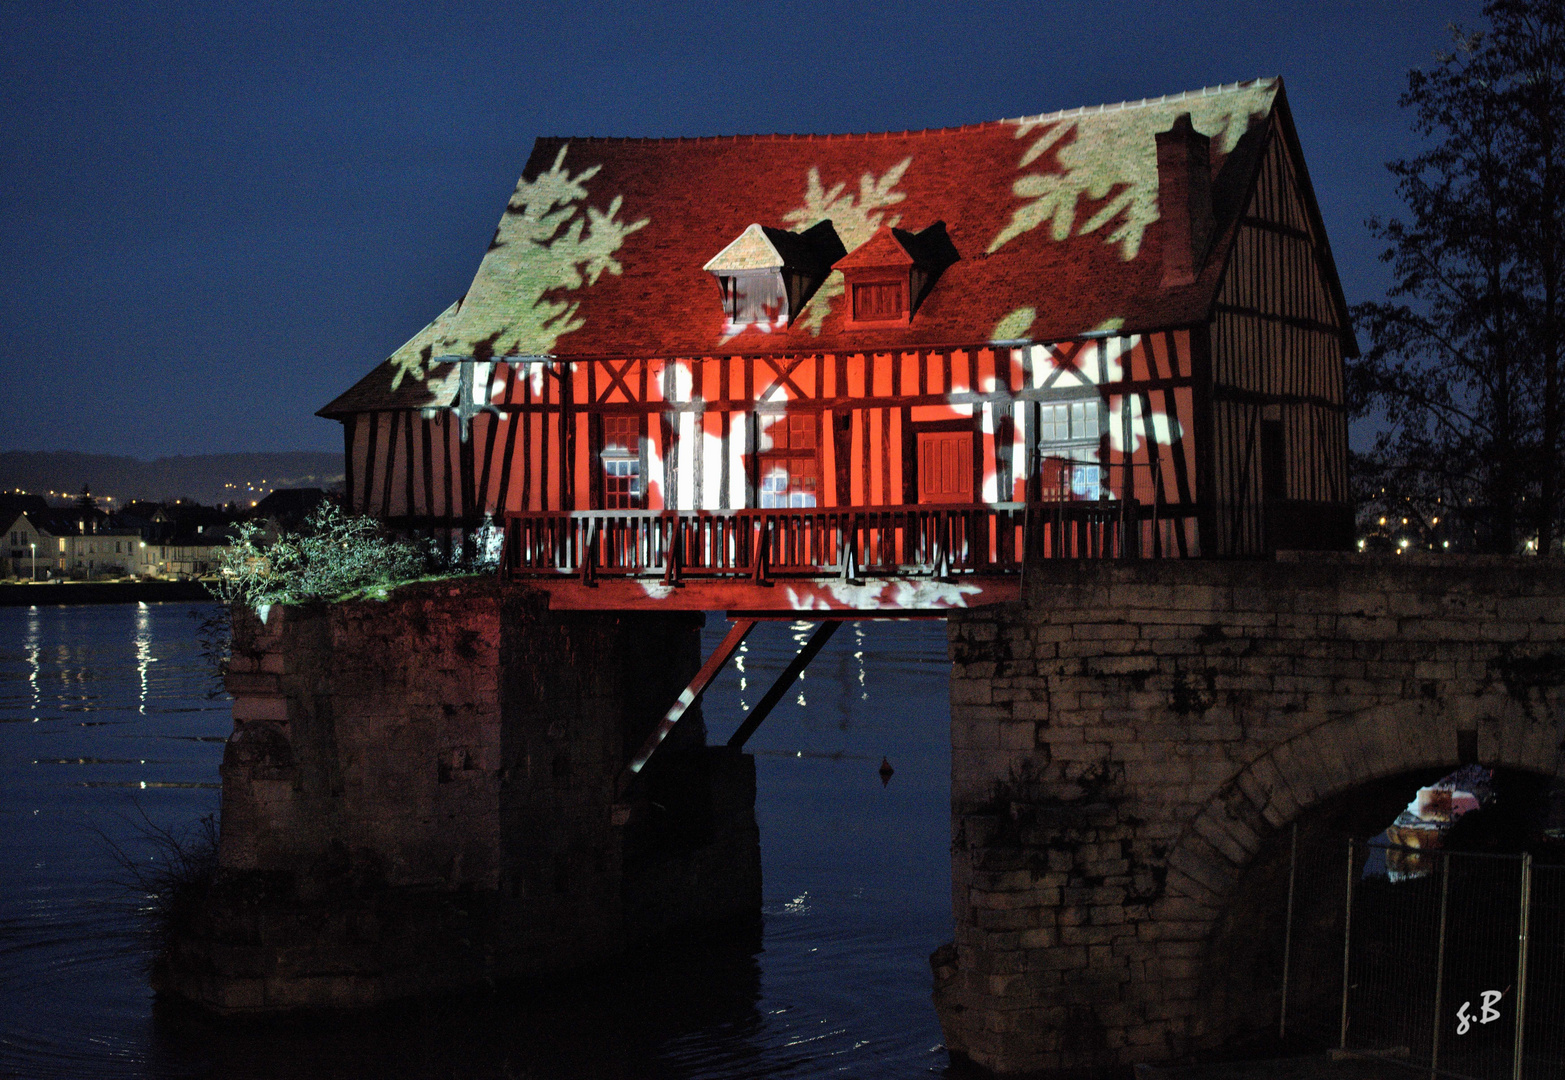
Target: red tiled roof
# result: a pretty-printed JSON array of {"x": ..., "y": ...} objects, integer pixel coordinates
[
  {"x": 882, "y": 249},
  {"x": 601, "y": 249}
]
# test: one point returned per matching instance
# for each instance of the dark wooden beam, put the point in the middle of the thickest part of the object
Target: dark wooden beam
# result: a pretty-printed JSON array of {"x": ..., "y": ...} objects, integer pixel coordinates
[
  {"x": 790, "y": 674},
  {"x": 691, "y": 694},
  {"x": 1311, "y": 325}
]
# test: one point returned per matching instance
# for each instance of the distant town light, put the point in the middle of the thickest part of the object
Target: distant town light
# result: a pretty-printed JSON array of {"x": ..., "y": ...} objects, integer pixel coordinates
[{"x": 1405, "y": 542}]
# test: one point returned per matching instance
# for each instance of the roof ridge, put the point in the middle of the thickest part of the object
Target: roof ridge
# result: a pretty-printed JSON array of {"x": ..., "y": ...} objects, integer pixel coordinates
[
  {"x": 1119, "y": 106},
  {"x": 1080, "y": 110}
]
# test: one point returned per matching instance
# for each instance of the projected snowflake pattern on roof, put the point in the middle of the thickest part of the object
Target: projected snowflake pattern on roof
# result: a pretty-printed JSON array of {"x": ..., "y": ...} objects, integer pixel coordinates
[
  {"x": 1093, "y": 168},
  {"x": 549, "y": 239},
  {"x": 413, "y": 358},
  {"x": 855, "y": 217}
]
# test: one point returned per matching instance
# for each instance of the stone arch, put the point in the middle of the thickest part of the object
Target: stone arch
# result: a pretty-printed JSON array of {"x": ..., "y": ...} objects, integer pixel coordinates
[
  {"x": 1337, "y": 754},
  {"x": 1315, "y": 767}
]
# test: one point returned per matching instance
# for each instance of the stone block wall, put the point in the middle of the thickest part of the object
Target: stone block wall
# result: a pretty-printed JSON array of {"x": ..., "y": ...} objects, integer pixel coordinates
[
  {"x": 1128, "y": 738},
  {"x": 420, "y": 793}
]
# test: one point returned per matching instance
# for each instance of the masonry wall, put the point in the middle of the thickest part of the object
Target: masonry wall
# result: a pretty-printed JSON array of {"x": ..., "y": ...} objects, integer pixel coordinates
[
  {"x": 419, "y": 794},
  {"x": 1130, "y": 740}
]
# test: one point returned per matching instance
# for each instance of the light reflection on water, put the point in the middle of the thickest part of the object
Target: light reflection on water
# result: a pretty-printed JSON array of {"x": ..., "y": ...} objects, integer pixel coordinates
[{"x": 103, "y": 718}]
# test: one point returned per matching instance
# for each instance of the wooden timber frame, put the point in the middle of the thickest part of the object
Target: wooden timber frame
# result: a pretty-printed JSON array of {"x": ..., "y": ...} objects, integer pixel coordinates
[
  {"x": 709, "y": 669},
  {"x": 1224, "y": 438},
  {"x": 702, "y": 447}
]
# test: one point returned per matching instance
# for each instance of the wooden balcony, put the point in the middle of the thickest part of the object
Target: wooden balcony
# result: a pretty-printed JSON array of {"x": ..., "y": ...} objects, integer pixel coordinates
[{"x": 914, "y": 559}]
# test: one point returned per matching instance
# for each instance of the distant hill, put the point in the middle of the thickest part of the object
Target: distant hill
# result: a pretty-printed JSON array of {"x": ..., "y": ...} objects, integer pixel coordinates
[{"x": 206, "y": 478}]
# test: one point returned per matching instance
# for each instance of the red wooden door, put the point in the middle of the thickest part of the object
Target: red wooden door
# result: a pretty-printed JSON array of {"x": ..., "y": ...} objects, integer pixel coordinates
[{"x": 945, "y": 467}]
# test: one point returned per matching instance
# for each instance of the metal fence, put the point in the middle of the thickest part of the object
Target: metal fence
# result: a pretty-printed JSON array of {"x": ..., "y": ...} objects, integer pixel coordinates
[
  {"x": 1453, "y": 963},
  {"x": 1311, "y": 956}
]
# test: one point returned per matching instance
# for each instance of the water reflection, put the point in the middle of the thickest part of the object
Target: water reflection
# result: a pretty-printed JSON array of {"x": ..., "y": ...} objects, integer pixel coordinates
[
  {"x": 31, "y": 644},
  {"x": 144, "y": 657},
  {"x": 801, "y": 635},
  {"x": 858, "y": 656},
  {"x": 664, "y": 1013},
  {"x": 856, "y": 880}
]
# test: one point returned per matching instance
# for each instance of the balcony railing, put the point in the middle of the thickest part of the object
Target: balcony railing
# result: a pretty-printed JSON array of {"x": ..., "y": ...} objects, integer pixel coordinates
[{"x": 850, "y": 543}]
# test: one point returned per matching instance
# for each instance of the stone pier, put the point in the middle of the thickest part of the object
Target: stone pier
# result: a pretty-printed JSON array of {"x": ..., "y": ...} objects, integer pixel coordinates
[
  {"x": 419, "y": 795},
  {"x": 1130, "y": 741}
]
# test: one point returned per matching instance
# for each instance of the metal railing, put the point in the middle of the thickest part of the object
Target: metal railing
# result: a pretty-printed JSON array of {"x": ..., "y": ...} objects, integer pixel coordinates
[
  {"x": 850, "y": 543},
  {"x": 1454, "y": 962}
]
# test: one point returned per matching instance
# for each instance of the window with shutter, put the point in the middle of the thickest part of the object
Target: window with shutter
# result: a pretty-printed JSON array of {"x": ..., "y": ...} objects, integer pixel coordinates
[{"x": 878, "y": 302}]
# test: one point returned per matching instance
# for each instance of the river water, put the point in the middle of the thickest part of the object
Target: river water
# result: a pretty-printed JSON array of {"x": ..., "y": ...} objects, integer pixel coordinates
[{"x": 106, "y": 729}]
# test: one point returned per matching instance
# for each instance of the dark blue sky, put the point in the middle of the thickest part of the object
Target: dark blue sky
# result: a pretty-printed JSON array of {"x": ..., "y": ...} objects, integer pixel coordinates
[{"x": 215, "y": 217}]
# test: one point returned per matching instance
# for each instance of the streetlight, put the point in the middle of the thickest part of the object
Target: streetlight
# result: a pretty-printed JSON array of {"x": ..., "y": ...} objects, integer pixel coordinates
[{"x": 34, "y": 546}]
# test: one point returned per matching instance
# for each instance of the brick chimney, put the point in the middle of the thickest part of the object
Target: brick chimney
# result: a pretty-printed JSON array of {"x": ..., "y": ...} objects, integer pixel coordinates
[{"x": 1184, "y": 199}]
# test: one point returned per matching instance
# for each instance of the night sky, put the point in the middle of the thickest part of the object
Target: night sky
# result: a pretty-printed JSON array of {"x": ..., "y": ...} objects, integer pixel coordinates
[{"x": 216, "y": 217}]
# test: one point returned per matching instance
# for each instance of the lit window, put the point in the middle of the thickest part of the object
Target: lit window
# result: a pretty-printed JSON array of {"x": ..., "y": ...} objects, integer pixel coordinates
[
  {"x": 1075, "y": 421},
  {"x": 790, "y": 475},
  {"x": 755, "y": 299},
  {"x": 621, "y": 462},
  {"x": 790, "y": 482},
  {"x": 767, "y": 275},
  {"x": 1067, "y": 442}
]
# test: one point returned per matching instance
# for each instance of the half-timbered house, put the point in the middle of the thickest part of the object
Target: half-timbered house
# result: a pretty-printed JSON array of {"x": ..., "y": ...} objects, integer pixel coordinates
[{"x": 871, "y": 367}]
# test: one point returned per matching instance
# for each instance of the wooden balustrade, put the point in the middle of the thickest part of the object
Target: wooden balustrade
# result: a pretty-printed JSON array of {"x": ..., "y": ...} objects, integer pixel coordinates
[{"x": 844, "y": 542}]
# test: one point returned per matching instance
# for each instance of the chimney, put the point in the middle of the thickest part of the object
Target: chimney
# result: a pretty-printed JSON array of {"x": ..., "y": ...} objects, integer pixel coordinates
[{"x": 1184, "y": 199}]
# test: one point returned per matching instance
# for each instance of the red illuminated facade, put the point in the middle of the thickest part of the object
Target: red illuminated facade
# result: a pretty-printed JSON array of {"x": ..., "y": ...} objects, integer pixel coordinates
[{"x": 828, "y": 362}]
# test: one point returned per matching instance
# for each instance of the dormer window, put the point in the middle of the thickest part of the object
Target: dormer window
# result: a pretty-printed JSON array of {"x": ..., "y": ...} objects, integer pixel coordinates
[
  {"x": 889, "y": 275},
  {"x": 767, "y": 275},
  {"x": 881, "y": 301},
  {"x": 754, "y": 298}
]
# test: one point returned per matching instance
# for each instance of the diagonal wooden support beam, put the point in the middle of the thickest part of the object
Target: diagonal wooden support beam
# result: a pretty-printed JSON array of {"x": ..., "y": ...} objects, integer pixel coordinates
[
  {"x": 714, "y": 663},
  {"x": 817, "y": 641}
]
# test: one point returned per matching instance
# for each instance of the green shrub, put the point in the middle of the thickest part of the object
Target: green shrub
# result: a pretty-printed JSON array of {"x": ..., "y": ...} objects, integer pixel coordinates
[{"x": 334, "y": 556}]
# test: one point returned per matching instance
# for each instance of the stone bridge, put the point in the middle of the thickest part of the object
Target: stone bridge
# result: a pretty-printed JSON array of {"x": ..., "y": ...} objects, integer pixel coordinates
[
  {"x": 1132, "y": 740},
  {"x": 428, "y": 792}
]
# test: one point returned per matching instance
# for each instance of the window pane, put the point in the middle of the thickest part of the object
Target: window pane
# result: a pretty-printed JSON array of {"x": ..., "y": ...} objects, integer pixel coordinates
[
  {"x": 773, "y": 432},
  {"x": 1084, "y": 482},
  {"x": 620, "y": 434},
  {"x": 756, "y": 298},
  {"x": 789, "y": 483},
  {"x": 1051, "y": 424},
  {"x": 621, "y": 482}
]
